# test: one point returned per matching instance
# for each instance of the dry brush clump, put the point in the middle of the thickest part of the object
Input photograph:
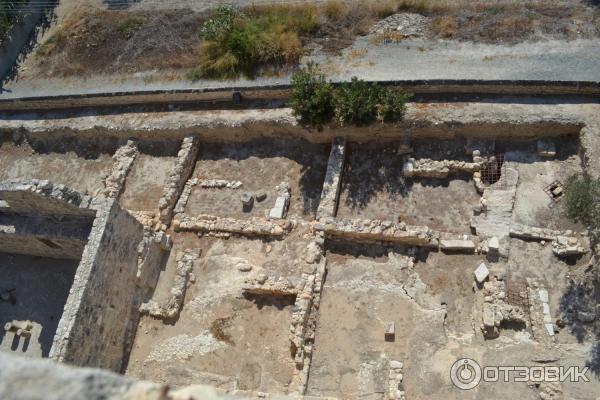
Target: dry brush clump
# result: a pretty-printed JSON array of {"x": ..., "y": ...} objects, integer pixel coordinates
[{"x": 103, "y": 41}]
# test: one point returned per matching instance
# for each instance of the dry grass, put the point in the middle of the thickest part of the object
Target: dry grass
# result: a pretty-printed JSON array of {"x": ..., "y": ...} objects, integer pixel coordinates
[
  {"x": 445, "y": 26},
  {"x": 95, "y": 41}
]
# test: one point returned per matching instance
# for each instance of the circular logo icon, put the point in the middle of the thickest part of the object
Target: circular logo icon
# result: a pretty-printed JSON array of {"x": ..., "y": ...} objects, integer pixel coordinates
[{"x": 465, "y": 374}]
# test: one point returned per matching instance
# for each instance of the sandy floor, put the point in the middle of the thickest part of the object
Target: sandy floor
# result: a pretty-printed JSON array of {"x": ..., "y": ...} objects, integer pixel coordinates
[{"x": 260, "y": 165}]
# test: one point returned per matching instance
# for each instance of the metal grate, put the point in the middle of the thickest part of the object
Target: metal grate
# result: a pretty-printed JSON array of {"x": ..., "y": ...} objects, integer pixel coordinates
[
  {"x": 555, "y": 190},
  {"x": 492, "y": 170}
]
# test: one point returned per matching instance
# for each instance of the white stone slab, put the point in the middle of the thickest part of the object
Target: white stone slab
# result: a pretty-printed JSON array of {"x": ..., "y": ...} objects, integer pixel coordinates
[{"x": 481, "y": 273}]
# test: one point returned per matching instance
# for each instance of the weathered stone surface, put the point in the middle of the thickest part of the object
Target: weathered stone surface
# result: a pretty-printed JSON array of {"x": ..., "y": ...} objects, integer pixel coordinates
[
  {"x": 457, "y": 245},
  {"x": 481, "y": 273},
  {"x": 333, "y": 179}
]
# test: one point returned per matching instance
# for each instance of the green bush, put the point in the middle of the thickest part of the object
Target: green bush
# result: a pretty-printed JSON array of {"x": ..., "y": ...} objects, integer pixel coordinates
[
  {"x": 357, "y": 102},
  {"x": 582, "y": 202},
  {"x": 312, "y": 97},
  {"x": 315, "y": 102},
  {"x": 362, "y": 103},
  {"x": 238, "y": 43}
]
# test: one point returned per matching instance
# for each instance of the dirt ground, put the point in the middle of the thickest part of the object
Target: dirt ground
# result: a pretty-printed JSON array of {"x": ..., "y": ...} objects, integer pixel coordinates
[
  {"x": 260, "y": 165},
  {"x": 373, "y": 187},
  {"x": 147, "y": 178},
  {"x": 36, "y": 300},
  {"x": 24, "y": 162},
  {"x": 222, "y": 337},
  {"x": 533, "y": 206}
]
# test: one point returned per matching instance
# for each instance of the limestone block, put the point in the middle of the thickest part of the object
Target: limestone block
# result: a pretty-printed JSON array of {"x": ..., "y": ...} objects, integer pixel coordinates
[
  {"x": 457, "y": 245},
  {"x": 481, "y": 273}
]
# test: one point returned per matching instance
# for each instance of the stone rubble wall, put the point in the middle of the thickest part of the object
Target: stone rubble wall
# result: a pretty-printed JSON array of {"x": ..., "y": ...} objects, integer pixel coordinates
[
  {"x": 41, "y": 197},
  {"x": 172, "y": 308},
  {"x": 333, "y": 179},
  {"x": 219, "y": 184},
  {"x": 252, "y": 227},
  {"x": 427, "y": 168},
  {"x": 123, "y": 161},
  {"x": 185, "y": 196},
  {"x": 377, "y": 230},
  {"x": 395, "y": 378},
  {"x": 266, "y": 283},
  {"x": 564, "y": 243},
  {"x": 304, "y": 318},
  {"x": 177, "y": 179}
]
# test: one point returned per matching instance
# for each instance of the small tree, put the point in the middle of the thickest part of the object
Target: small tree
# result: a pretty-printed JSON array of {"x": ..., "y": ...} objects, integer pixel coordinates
[
  {"x": 582, "y": 202},
  {"x": 312, "y": 97}
]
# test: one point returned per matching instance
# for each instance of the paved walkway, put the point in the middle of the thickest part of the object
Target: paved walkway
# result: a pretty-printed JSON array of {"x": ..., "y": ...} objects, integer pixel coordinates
[{"x": 411, "y": 59}]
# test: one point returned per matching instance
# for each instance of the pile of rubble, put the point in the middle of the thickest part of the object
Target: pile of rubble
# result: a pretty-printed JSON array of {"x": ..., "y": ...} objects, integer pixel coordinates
[
  {"x": 185, "y": 265},
  {"x": 204, "y": 223},
  {"x": 178, "y": 178},
  {"x": 123, "y": 160},
  {"x": 406, "y": 24},
  {"x": 497, "y": 310},
  {"x": 427, "y": 168}
]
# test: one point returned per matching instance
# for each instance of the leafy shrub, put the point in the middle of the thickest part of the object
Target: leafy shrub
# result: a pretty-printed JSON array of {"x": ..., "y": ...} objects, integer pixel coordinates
[
  {"x": 221, "y": 23},
  {"x": 315, "y": 102},
  {"x": 356, "y": 103},
  {"x": 238, "y": 43},
  {"x": 582, "y": 199},
  {"x": 312, "y": 97},
  {"x": 362, "y": 103}
]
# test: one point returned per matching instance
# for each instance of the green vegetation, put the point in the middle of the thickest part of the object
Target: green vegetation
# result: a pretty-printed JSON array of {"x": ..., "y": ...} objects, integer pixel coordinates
[
  {"x": 315, "y": 102},
  {"x": 312, "y": 97},
  {"x": 582, "y": 202},
  {"x": 241, "y": 43},
  {"x": 130, "y": 26},
  {"x": 9, "y": 15}
]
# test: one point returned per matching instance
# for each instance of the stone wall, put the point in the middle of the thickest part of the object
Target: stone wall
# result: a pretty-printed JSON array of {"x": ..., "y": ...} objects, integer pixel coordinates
[
  {"x": 123, "y": 161},
  {"x": 251, "y": 227},
  {"x": 177, "y": 179},
  {"x": 101, "y": 307}
]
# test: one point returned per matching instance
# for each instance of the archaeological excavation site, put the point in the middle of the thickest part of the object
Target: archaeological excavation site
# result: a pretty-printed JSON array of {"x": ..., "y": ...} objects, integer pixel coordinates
[{"x": 346, "y": 231}]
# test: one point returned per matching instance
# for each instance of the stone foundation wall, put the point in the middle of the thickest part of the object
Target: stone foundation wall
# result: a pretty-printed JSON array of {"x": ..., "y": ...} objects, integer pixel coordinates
[
  {"x": 176, "y": 181},
  {"x": 250, "y": 227}
]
